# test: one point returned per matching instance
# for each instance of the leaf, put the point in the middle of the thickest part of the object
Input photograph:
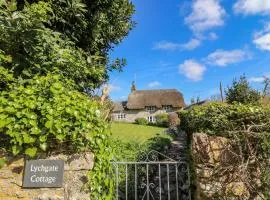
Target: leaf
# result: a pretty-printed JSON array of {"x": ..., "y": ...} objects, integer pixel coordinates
[
  {"x": 28, "y": 139},
  {"x": 16, "y": 149},
  {"x": 12, "y": 6},
  {"x": 43, "y": 138},
  {"x": 48, "y": 124},
  {"x": 57, "y": 85},
  {"x": 43, "y": 146},
  {"x": 31, "y": 151}
]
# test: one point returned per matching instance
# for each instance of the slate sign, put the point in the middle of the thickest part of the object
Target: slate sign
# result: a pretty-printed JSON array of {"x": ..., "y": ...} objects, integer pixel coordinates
[{"x": 43, "y": 173}]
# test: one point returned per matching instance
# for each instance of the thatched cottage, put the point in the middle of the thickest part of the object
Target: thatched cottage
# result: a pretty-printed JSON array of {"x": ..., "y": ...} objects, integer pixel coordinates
[{"x": 147, "y": 103}]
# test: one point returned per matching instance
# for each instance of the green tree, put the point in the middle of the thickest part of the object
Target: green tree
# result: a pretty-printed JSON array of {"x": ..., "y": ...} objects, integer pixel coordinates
[
  {"x": 242, "y": 92},
  {"x": 70, "y": 37}
]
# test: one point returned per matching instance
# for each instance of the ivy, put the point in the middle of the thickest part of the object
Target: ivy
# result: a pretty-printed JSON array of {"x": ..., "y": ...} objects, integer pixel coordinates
[{"x": 45, "y": 114}]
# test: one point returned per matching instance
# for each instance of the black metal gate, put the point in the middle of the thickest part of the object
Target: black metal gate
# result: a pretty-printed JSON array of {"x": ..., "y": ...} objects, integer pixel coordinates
[{"x": 153, "y": 177}]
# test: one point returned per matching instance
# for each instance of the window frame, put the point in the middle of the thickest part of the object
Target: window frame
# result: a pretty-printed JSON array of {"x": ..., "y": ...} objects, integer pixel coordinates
[
  {"x": 121, "y": 116},
  {"x": 150, "y": 108},
  {"x": 167, "y": 108},
  {"x": 151, "y": 119}
]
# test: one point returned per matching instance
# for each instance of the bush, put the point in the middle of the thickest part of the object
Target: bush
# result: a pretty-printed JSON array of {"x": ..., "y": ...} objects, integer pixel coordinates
[
  {"x": 141, "y": 121},
  {"x": 162, "y": 120},
  {"x": 241, "y": 92},
  {"x": 174, "y": 120},
  {"x": 219, "y": 118}
]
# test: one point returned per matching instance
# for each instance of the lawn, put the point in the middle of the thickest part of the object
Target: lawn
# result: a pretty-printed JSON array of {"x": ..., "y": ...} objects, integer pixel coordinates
[{"x": 133, "y": 132}]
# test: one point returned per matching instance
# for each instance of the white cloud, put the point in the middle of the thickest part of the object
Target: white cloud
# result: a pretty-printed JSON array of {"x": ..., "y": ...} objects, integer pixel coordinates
[
  {"x": 192, "y": 44},
  {"x": 262, "y": 38},
  {"x": 114, "y": 88},
  {"x": 251, "y": 7},
  {"x": 192, "y": 70},
  {"x": 205, "y": 15},
  {"x": 262, "y": 42},
  {"x": 154, "y": 84},
  {"x": 223, "y": 58},
  {"x": 171, "y": 46},
  {"x": 256, "y": 79},
  {"x": 165, "y": 45},
  {"x": 259, "y": 79},
  {"x": 212, "y": 36}
]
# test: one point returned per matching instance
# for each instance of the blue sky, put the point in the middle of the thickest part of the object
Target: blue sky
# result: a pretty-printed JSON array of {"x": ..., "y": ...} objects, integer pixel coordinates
[{"x": 192, "y": 45}]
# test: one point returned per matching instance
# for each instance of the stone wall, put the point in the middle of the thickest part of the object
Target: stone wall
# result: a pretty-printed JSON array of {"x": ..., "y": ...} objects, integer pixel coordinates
[
  {"x": 216, "y": 174},
  {"x": 75, "y": 170}
]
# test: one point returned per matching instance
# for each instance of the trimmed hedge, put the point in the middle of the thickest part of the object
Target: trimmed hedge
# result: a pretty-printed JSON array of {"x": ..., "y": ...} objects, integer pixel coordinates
[
  {"x": 162, "y": 120},
  {"x": 141, "y": 121},
  {"x": 219, "y": 118}
]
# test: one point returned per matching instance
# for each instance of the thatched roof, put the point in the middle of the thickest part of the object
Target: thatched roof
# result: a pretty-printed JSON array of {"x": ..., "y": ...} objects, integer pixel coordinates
[
  {"x": 141, "y": 98},
  {"x": 119, "y": 106}
]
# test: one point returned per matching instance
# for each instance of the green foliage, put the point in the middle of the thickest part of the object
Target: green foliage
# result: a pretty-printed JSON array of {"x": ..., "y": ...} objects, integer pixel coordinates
[
  {"x": 50, "y": 53},
  {"x": 241, "y": 92},
  {"x": 162, "y": 120},
  {"x": 44, "y": 112},
  {"x": 247, "y": 127},
  {"x": 219, "y": 118},
  {"x": 95, "y": 26},
  {"x": 38, "y": 50},
  {"x": 141, "y": 121}
]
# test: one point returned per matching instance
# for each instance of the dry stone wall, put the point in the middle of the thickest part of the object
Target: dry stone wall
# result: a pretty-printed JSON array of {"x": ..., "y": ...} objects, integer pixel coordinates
[
  {"x": 217, "y": 176},
  {"x": 75, "y": 170}
]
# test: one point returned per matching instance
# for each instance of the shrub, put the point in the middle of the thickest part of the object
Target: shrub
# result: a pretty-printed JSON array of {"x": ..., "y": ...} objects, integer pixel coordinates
[
  {"x": 174, "y": 120},
  {"x": 141, "y": 121},
  {"x": 219, "y": 118},
  {"x": 241, "y": 92},
  {"x": 162, "y": 120}
]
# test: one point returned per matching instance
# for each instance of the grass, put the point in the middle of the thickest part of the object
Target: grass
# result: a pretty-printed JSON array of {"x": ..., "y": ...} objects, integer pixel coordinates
[{"x": 133, "y": 132}]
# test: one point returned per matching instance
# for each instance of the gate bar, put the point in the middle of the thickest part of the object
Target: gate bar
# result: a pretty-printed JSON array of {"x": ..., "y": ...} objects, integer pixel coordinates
[
  {"x": 135, "y": 181},
  {"x": 176, "y": 176},
  {"x": 126, "y": 182},
  {"x": 168, "y": 180}
]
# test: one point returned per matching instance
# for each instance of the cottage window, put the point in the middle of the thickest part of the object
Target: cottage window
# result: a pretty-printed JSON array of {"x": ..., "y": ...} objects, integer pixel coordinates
[
  {"x": 167, "y": 108},
  {"x": 151, "y": 119},
  {"x": 150, "y": 108},
  {"x": 121, "y": 116}
]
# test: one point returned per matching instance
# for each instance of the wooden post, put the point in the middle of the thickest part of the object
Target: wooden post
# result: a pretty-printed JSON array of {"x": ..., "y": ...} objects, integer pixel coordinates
[{"x": 221, "y": 91}]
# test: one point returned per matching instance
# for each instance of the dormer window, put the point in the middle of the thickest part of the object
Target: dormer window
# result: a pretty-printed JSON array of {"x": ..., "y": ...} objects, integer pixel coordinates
[
  {"x": 150, "y": 108},
  {"x": 167, "y": 108}
]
